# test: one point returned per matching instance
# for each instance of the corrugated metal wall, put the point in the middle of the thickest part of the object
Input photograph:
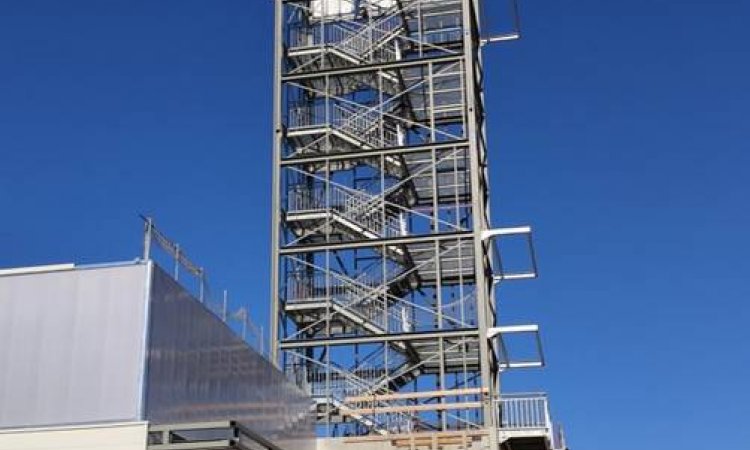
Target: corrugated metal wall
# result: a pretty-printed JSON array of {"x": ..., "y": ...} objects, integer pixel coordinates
[{"x": 75, "y": 348}]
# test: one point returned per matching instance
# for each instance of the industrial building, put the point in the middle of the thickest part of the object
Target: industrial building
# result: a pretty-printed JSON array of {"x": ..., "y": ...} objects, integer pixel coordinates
[
  {"x": 386, "y": 266},
  {"x": 121, "y": 356}
]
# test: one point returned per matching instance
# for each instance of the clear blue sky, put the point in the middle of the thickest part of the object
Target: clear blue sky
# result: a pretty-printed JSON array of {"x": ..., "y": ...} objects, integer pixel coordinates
[{"x": 620, "y": 130}]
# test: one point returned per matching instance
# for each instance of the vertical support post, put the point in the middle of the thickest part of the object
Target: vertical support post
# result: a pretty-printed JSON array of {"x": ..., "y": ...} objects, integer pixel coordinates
[
  {"x": 473, "y": 107},
  {"x": 177, "y": 262},
  {"x": 224, "y": 307},
  {"x": 202, "y": 287},
  {"x": 431, "y": 90},
  {"x": 244, "y": 324},
  {"x": 261, "y": 341},
  {"x": 148, "y": 230},
  {"x": 276, "y": 183}
]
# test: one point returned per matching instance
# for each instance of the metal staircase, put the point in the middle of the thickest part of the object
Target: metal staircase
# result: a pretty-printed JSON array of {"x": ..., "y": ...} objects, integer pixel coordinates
[
  {"x": 411, "y": 107},
  {"x": 375, "y": 247},
  {"x": 375, "y": 34},
  {"x": 366, "y": 126},
  {"x": 332, "y": 389},
  {"x": 366, "y": 386},
  {"x": 332, "y": 209},
  {"x": 343, "y": 42},
  {"x": 373, "y": 42},
  {"x": 347, "y": 392},
  {"x": 363, "y": 302},
  {"x": 357, "y": 126}
]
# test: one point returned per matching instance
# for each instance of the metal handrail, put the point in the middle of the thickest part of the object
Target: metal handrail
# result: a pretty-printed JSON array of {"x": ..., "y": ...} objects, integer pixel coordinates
[
  {"x": 524, "y": 411},
  {"x": 339, "y": 383},
  {"x": 367, "y": 43},
  {"x": 359, "y": 207},
  {"x": 364, "y": 123},
  {"x": 530, "y": 412},
  {"x": 359, "y": 122},
  {"x": 362, "y": 296}
]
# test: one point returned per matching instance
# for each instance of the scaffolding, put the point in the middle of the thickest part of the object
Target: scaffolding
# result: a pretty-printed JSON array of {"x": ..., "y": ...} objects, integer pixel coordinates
[{"x": 385, "y": 263}]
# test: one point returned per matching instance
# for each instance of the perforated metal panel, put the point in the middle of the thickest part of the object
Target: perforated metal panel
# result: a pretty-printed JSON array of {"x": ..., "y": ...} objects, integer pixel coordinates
[{"x": 200, "y": 371}]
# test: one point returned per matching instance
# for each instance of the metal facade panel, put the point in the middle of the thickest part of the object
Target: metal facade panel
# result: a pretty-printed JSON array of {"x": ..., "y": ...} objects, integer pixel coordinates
[
  {"x": 71, "y": 346},
  {"x": 199, "y": 370}
]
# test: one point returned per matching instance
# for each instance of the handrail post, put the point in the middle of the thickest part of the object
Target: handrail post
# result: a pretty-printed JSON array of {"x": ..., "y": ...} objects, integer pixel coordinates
[
  {"x": 548, "y": 420},
  {"x": 177, "y": 262},
  {"x": 202, "y": 286},
  {"x": 149, "y": 224},
  {"x": 224, "y": 307}
]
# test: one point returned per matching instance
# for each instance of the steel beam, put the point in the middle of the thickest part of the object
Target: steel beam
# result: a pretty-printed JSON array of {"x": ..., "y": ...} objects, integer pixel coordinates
[
  {"x": 395, "y": 337},
  {"x": 278, "y": 142},
  {"x": 374, "y": 153},
  {"x": 371, "y": 68},
  {"x": 386, "y": 242}
]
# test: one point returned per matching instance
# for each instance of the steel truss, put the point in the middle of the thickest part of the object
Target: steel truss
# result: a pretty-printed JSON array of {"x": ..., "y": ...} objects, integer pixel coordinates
[{"x": 383, "y": 268}]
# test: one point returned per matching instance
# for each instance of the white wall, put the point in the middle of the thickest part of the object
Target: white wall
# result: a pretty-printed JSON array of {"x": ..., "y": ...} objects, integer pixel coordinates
[
  {"x": 330, "y": 8},
  {"x": 95, "y": 437},
  {"x": 72, "y": 346}
]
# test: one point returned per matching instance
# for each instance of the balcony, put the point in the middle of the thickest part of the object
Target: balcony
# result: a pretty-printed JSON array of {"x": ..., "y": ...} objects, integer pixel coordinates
[{"x": 526, "y": 424}]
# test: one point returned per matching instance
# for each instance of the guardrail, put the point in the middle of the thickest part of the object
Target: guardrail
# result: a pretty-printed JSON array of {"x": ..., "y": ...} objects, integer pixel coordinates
[
  {"x": 165, "y": 252},
  {"x": 362, "y": 208},
  {"x": 530, "y": 412},
  {"x": 524, "y": 411}
]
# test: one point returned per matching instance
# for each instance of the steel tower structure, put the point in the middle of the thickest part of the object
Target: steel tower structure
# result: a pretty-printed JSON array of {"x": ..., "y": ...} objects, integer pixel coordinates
[{"x": 385, "y": 262}]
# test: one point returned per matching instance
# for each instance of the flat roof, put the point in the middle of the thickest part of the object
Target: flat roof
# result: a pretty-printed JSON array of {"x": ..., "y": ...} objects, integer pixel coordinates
[{"x": 63, "y": 267}]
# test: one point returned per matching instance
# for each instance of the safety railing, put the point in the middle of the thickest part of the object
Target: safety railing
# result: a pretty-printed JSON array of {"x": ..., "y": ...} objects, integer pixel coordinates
[
  {"x": 336, "y": 383},
  {"x": 192, "y": 277},
  {"x": 432, "y": 22},
  {"x": 442, "y": 36},
  {"x": 558, "y": 438},
  {"x": 361, "y": 208},
  {"x": 371, "y": 41},
  {"x": 524, "y": 411},
  {"x": 363, "y": 296},
  {"x": 364, "y": 42},
  {"x": 305, "y": 116},
  {"x": 367, "y": 125}
]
